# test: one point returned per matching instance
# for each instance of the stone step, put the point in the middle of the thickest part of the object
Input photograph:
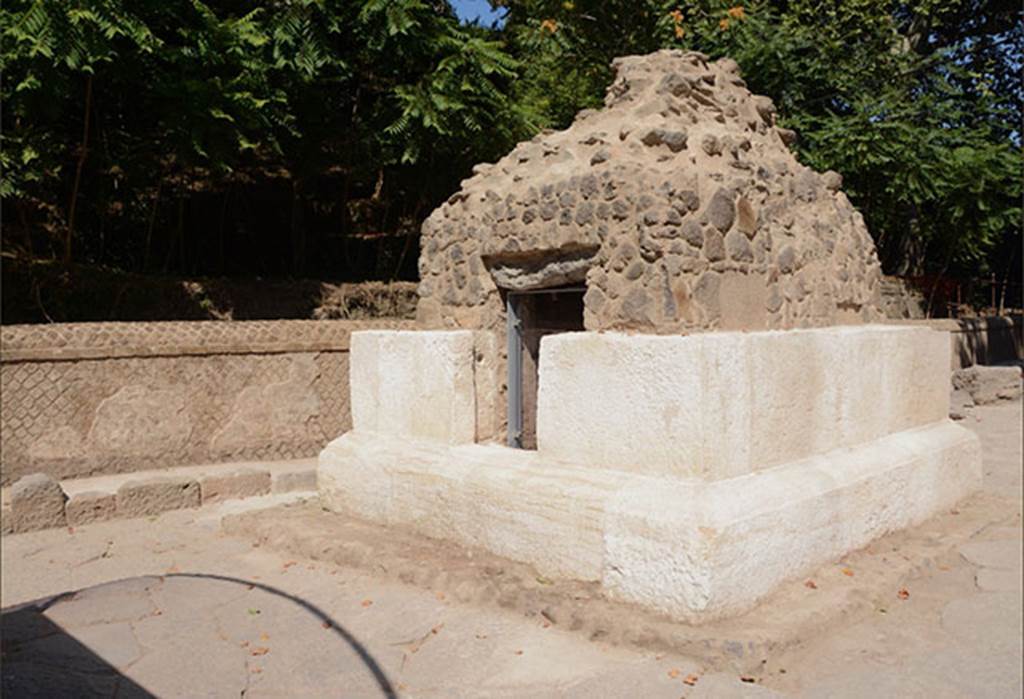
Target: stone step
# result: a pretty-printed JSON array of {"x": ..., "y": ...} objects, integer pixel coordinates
[
  {"x": 39, "y": 502},
  {"x": 989, "y": 384}
]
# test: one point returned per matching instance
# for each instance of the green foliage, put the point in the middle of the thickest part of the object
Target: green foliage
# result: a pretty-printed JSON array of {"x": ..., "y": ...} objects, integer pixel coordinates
[
  {"x": 915, "y": 103},
  {"x": 389, "y": 102},
  {"x": 273, "y": 136}
]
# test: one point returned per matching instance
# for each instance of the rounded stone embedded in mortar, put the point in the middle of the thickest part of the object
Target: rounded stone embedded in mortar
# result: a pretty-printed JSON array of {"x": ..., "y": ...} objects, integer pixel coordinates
[{"x": 759, "y": 186}]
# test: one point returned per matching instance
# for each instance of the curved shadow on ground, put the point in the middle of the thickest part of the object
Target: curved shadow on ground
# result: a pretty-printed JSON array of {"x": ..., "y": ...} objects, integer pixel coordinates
[
  {"x": 368, "y": 660},
  {"x": 41, "y": 659},
  {"x": 25, "y": 624}
]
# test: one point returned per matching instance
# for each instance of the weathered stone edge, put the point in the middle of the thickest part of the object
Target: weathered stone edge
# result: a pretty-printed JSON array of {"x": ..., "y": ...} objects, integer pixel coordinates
[
  {"x": 71, "y": 341},
  {"x": 76, "y": 353},
  {"x": 1007, "y": 322},
  {"x": 275, "y": 482}
]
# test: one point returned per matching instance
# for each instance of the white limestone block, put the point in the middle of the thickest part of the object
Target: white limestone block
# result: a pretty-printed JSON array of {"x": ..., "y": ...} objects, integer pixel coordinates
[
  {"x": 507, "y": 501},
  {"x": 692, "y": 549},
  {"x": 732, "y": 542},
  {"x": 411, "y": 383},
  {"x": 718, "y": 405}
]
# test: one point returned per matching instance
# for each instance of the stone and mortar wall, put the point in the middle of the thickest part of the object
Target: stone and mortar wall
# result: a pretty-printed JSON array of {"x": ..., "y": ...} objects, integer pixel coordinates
[
  {"x": 679, "y": 205},
  {"x": 901, "y": 301},
  {"x": 680, "y": 208},
  {"x": 82, "y": 399}
]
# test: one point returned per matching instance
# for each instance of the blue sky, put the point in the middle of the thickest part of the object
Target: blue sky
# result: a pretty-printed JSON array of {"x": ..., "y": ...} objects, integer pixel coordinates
[{"x": 468, "y": 10}]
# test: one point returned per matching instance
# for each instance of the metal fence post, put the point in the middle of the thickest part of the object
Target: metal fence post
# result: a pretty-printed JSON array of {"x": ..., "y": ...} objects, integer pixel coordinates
[{"x": 513, "y": 331}]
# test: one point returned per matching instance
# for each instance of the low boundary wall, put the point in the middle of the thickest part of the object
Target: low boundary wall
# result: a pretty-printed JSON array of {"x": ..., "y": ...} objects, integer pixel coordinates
[
  {"x": 83, "y": 399},
  {"x": 985, "y": 341}
]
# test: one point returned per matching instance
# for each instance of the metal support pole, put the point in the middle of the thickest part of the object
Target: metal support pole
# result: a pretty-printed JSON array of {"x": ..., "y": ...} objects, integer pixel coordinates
[{"x": 513, "y": 331}]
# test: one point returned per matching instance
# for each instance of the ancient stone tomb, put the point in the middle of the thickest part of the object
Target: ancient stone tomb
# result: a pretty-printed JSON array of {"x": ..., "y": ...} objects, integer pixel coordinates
[
  {"x": 686, "y": 471},
  {"x": 679, "y": 207}
]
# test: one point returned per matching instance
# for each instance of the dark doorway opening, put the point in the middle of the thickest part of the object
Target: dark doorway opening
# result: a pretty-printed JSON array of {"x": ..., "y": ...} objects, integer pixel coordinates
[{"x": 533, "y": 314}]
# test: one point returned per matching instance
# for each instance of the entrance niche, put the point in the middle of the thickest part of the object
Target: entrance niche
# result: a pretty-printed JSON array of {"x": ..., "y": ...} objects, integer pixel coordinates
[{"x": 532, "y": 314}]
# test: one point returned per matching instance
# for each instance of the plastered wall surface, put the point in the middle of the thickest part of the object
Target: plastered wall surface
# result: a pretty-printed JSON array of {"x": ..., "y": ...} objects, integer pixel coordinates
[{"x": 82, "y": 399}]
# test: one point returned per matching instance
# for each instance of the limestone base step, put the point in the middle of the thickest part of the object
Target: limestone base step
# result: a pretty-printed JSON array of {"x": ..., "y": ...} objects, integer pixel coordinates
[
  {"x": 39, "y": 502},
  {"x": 693, "y": 550}
]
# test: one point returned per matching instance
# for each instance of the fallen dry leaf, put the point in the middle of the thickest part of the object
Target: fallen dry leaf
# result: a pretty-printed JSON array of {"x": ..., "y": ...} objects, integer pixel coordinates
[
  {"x": 440, "y": 596},
  {"x": 904, "y": 593},
  {"x": 748, "y": 679},
  {"x": 326, "y": 624},
  {"x": 259, "y": 650},
  {"x": 673, "y": 673},
  {"x": 690, "y": 680},
  {"x": 264, "y": 636},
  {"x": 810, "y": 584},
  {"x": 415, "y": 644},
  {"x": 366, "y": 602},
  {"x": 847, "y": 572},
  {"x": 519, "y": 652},
  {"x": 71, "y": 530}
]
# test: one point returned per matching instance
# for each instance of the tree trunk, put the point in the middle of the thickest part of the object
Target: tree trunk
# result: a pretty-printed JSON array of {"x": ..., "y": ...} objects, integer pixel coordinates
[
  {"x": 1006, "y": 279},
  {"x": 25, "y": 229},
  {"x": 82, "y": 153},
  {"x": 174, "y": 242},
  {"x": 149, "y": 228},
  {"x": 298, "y": 234},
  {"x": 180, "y": 235},
  {"x": 408, "y": 240},
  {"x": 220, "y": 236},
  {"x": 935, "y": 284}
]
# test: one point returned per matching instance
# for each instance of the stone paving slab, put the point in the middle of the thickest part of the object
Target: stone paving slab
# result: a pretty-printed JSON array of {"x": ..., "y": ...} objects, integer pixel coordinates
[{"x": 1001, "y": 553}]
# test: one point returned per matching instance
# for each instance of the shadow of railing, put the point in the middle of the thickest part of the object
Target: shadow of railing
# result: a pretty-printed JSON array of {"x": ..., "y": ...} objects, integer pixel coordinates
[
  {"x": 383, "y": 683},
  {"x": 40, "y": 659}
]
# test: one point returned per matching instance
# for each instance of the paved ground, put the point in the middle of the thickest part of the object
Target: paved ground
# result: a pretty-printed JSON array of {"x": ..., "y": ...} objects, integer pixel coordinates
[{"x": 172, "y": 607}]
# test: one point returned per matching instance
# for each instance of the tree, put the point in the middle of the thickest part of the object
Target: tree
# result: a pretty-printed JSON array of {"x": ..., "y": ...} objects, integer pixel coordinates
[
  {"x": 311, "y": 137},
  {"x": 136, "y": 126},
  {"x": 916, "y": 104}
]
